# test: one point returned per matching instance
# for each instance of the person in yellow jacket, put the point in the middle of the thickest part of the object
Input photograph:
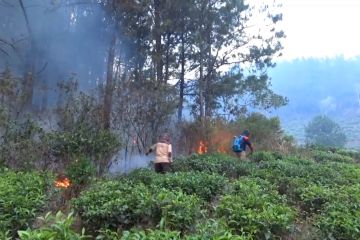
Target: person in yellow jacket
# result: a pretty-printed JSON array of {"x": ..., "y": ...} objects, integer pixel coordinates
[{"x": 163, "y": 154}]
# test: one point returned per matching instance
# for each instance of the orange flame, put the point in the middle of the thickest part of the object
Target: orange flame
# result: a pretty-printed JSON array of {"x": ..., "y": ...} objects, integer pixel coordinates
[
  {"x": 62, "y": 182},
  {"x": 202, "y": 148}
]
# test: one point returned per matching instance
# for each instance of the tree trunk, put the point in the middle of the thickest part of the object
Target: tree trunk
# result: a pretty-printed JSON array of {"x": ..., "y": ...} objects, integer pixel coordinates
[
  {"x": 158, "y": 47},
  {"x": 109, "y": 83},
  {"x": 182, "y": 79},
  {"x": 201, "y": 87},
  {"x": 167, "y": 57},
  {"x": 29, "y": 76},
  {"x": 209, "y": 76}
]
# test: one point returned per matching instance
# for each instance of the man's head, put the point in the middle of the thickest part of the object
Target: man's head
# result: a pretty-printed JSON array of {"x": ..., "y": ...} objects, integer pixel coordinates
[
  {"x": 165, "y": 138},
  {"x": 246, "y": 133}
]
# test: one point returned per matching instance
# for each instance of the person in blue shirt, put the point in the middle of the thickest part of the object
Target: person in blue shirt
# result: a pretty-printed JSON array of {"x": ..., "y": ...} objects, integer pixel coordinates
[{"x": 244, "y": 140}]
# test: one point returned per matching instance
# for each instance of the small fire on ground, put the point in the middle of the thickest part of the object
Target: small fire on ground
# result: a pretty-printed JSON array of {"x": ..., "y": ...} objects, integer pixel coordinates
[
  {"x": 62, "y": 182},
  {"x": 203, "y": 148}
]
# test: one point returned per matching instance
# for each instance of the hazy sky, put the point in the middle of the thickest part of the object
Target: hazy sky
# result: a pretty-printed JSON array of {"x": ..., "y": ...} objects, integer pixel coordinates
[{"x": 321, "y": 28}]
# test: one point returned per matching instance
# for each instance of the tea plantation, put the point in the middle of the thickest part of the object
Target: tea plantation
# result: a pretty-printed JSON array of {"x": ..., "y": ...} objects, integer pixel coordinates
[{"x": 311, "y": 194}]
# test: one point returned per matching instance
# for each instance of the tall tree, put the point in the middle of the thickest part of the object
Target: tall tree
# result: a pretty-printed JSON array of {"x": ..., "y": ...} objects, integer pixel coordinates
[{"x": 224, "y": 38}]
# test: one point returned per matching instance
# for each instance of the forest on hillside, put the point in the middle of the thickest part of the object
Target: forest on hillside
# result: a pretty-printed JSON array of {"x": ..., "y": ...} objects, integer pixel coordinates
[
  {"x": 87, "y": 88},
  {"x": 328, "y": 86},
  {"x": 132, "y": 67}
]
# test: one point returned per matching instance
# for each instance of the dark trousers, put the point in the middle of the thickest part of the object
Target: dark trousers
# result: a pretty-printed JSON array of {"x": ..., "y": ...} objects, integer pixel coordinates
[{"x": 162, "y": 167}]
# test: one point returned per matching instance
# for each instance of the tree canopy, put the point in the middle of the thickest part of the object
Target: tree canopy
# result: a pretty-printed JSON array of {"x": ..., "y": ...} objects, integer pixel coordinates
[{"x": 323, "y": 131}]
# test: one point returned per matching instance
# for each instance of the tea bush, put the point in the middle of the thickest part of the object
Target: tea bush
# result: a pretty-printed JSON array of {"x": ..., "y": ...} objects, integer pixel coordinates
[
  {"x": 263, "y": 156},
  {"x": 136, "y": 234},
  {"x": 312, "y": 198},
  {"x": 340, "y": 218},
  {"x": 55, "y": 227},
  {"x": 215, "y": 229},
  {"x": 112, "y": 204},
  {"x": 81, "y": 171},
  {"x": 321, "y": 156},
  {"x": 22, "y": 197},
  {"x": 211, "y": 229},
  {"x": 215, "y": 163},
  {"x": 350, "y": 153},
  {"x": 178, "y": 211},
  {"x": 124, "y": 205},
  {"x": 204, "y": 185},
  {"x": 255, "y": 209},
  {"x": 143, "y": 175},
  {"x": 339, "y": 221}
]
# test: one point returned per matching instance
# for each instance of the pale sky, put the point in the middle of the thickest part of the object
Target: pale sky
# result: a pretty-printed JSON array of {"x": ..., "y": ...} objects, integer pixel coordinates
[{"x": 321, "y": 28}]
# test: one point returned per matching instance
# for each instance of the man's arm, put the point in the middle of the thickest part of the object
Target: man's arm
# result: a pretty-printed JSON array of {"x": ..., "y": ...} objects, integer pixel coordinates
[
  {"x": 152, "y": 148},
  {"x": 170, "y": 153},
  {"x": 247, "y": 142}
]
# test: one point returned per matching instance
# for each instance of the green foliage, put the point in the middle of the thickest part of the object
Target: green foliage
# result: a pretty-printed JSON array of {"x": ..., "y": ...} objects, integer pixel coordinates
[
  {"x": 22, "y": 197},
  {"x": 339, "y": 221},
  {"x": 143, "y": 175},
  {"x": 56, "y": 227},
  {"x": 5, "y": 234},
  {"x": 255, "y": 209},
  {"x": 80, "y": 171},
  {"x": 265, "y": 132},
  {"x": 124, "y": 204},
  {"x": 135, "y": 234},
  {"x": 259, "y": 156},
  {"x": 211, "y": 229},
  {"x": 94, "y": 144},
  {"x": 113, "y": 204},
  {"x": 178, "y": 211},
  {"x": 328, "y": 173},
  {"x": 314, "y": 197},
  {"x": 321, "y": 156},
  {"x": 321, "y": 130},
  {"x": 340, "y": 217},
  {"x": 22, "y": 144},
  {"x": 215, "y": 229},
  {"x": 350, "y": 153},
  {"x": 215, "y": 163},
  {"x": 204, "y": 185}
]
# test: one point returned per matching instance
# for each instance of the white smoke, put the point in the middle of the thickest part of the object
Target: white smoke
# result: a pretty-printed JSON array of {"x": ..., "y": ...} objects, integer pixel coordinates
[{"x": 124, "y": 162}]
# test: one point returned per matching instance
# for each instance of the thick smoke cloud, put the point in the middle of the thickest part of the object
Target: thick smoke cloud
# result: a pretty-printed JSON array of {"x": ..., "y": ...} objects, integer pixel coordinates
[{"x": 69, "y": 38}]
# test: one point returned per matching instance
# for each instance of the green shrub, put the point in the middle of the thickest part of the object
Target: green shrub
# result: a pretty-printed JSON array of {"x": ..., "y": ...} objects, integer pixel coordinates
[
  {"x": 143, "y": 175},
  {"x": 150, "y": 235},
  {"x": 314, "y": 197},
  {"x": 113, "y": 204},
  {"x": 178, "y": 211},
  {"x": 266, "y": 132},
  {"x": 262, "y": 156},
  {"x": 22, "y": 197},
  {"x": 340, "y": 218},
  {"x": 204, "y": 185},
  {"x": 215, "y": 229},
  {"x": 214, "y": 163},
  {"x": 124, "y": 205},
  {"x": 81, "y": 171},
  {"x": 321, "y": 156},
  {"x": 350, "y": 153},
  {"x": 339, "y": 221},
  {"x": 256, "y": 209},
  {"x": 23, "y": 145},
  {"x": 58, "y": 227},
  {"x": 82, "y": 141},
  {"x": 323, "y": 131},
  {"x": 5, "y": 235}
]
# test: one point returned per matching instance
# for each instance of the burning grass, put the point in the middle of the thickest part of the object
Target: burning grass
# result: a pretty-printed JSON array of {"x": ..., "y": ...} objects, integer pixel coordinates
[{"x": 62, "y": 182}]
